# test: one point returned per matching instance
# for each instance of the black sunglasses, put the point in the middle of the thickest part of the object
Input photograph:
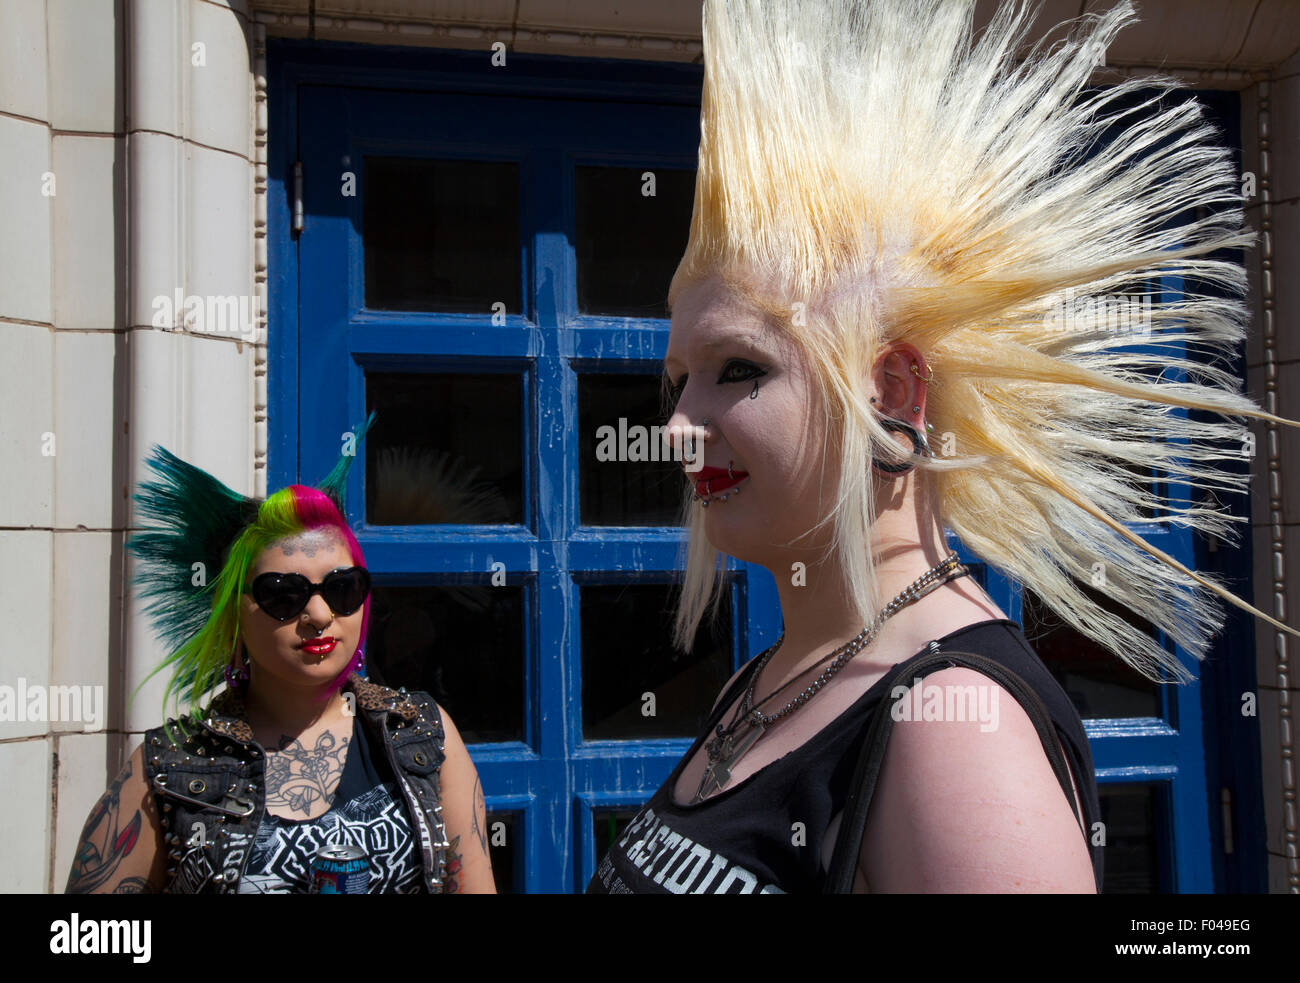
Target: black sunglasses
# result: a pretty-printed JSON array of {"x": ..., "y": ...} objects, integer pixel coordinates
[{"x": 285, "y": 595}]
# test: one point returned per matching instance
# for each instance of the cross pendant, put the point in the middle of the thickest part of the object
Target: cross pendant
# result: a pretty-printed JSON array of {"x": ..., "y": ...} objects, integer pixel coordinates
[{"x": 718, "y": 773}]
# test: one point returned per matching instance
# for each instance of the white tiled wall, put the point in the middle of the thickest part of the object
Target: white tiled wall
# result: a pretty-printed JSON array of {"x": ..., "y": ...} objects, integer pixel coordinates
[{"x": 152, "y": 192}]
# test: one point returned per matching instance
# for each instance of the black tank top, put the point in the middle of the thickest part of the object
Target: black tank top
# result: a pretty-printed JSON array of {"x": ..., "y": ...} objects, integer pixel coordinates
[
  {"x": 745, "y": 839},
  {"x": 367, "y": 811}
]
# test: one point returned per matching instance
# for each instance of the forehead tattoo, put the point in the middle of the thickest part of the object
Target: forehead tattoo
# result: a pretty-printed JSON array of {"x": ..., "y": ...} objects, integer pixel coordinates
[{"x": 308, "y": 543}]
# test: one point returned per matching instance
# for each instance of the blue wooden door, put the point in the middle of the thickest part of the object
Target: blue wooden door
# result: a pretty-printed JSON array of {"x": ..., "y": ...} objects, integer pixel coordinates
[
  {"x": 482, "y": 262},
  {"x": 511, "y": 383}
]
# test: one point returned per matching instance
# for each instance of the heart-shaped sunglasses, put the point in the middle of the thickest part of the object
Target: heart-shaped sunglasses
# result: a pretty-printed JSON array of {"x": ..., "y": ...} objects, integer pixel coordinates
[{"x": 285, "y": 595}]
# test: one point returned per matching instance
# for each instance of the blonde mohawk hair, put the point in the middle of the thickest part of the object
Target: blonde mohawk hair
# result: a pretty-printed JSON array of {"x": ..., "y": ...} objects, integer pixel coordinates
[{"x": 893, "y": 177}]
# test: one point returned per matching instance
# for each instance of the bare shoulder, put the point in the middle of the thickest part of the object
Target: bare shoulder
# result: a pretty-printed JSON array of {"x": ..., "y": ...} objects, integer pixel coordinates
[
  {"x": 967, "y": 799},
  {"x": 451, "y": 735}
]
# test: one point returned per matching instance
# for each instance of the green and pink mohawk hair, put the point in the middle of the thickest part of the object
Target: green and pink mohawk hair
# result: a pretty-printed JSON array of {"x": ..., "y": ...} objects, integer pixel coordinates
[{"x": 195, "y": 526}]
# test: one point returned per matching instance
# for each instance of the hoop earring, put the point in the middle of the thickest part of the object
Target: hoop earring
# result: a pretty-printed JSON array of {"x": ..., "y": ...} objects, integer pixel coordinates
[
  {"x": 237, "y": 677},
  {"x": 919, "y": 446}
]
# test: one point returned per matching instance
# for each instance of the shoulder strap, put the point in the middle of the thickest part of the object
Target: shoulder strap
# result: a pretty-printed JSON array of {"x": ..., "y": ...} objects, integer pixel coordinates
[{"x": 848, "y": 843}]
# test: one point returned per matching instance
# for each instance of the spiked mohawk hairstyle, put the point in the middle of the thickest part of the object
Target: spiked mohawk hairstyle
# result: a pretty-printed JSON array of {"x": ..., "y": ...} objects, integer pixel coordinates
[
  {"x": 196, "y": 551},
  {"x": 908, "y": 181}
]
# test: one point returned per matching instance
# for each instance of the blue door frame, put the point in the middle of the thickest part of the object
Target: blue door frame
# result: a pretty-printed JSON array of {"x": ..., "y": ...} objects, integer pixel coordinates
[{"x": 335, "y": 103}]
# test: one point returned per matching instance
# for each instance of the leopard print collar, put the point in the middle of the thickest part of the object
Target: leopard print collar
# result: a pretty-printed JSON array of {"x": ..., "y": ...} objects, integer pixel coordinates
[{"x": 228, "y": 716}]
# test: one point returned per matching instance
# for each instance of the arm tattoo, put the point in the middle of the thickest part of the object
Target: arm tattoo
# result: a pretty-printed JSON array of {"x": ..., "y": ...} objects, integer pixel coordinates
[
  {"x": 479, "y": 803},
  {"x": 104, "y": 844},
  {"x": 451, "y": 882},
  {"x": 133, "y": 885},
  {"x": 298, "y": 777}
]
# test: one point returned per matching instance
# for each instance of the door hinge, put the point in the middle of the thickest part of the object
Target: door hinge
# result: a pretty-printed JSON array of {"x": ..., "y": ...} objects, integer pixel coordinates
[{"x": 297, "y": 197}]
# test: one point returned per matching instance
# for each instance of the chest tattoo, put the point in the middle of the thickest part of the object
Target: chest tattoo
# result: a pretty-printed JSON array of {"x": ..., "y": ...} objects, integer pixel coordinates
[{"x": 299, "y": 779}]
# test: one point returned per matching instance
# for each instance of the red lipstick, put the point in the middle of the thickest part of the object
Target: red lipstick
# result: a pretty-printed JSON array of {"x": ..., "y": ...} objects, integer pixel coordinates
[{"x": 320, "y": 646}]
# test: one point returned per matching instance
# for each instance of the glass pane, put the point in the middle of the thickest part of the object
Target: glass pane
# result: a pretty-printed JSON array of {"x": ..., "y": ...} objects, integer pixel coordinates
[
  {"x": 979, "y": 572},
  {"x": 629, "y": 240},
  {"x": 1097, "y": 682},
  {"x": 444, "y": 449},
  {"x": 441, "y": 235},
  {"x": 635, "y": 684},
  {"x": 463, "y": 644},
  {"x": 1130, "y": 812},
  {"x": 502, "y": 828},
  {"x": 619, "y": 481},
  {"x": 607, "y": 826}
]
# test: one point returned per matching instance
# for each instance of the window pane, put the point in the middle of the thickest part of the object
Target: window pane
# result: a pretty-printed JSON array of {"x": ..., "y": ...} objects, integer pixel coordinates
[
  {"x": 615, "y": 417},
  {"x": 1099, "y": 683},
  {"x": 462, "y": 644},
  {"x": 629, "y": 241},
  {"x": 441, "y": 235},
  {"x": 635, "y": 684},
  {"x": 607, "y": 826},
  {"x": 1130, "y": 812},
  {"x": 502, "y": 829},
  {"x": 444, "y": 449}
]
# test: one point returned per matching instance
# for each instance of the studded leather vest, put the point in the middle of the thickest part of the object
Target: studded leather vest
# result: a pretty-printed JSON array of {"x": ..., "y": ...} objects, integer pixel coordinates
[{"x": 208, "y": 783}]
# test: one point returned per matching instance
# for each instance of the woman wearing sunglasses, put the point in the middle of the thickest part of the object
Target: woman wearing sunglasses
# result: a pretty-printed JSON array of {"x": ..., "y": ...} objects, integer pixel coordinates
[{"x": 298, "y": 753}]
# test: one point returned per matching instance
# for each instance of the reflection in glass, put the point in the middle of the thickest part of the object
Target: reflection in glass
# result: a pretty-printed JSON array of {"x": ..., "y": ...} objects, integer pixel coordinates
[
  {"x": 628, "y": 242},
  {"x": 441, "y": 235},
  {"x": 618, "y": 492},
  {"x": 444, "y": 449},
  {"x": 1098, "y": 683},
  {"x": 635, "y": 684},
  {"x": 1130, "y": 812},
  {"x": 607, "y": 826},
  {"x": 463, "y": 644}
]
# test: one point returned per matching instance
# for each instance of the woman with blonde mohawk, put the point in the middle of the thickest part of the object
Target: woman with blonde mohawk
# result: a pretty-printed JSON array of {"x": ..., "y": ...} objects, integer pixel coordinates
[{"x": 898, "y": 231}]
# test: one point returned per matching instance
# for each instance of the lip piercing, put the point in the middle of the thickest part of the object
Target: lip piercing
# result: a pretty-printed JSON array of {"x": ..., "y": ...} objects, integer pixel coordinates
[{"x": 730, "y": 474}]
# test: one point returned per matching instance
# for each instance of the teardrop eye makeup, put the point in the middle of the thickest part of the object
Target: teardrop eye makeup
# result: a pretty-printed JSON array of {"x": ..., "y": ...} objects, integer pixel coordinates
[{"x": 734, "y": 370}]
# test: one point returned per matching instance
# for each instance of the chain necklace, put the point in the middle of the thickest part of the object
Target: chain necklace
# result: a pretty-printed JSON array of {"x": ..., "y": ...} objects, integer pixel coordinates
[{"x": 725, "y": 749}]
